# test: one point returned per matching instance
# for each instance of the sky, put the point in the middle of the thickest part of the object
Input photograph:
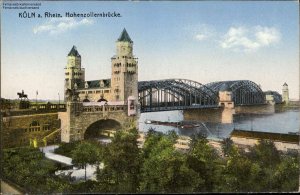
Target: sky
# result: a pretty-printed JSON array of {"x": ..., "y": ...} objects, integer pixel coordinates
[{"x": 201, "y": 41}]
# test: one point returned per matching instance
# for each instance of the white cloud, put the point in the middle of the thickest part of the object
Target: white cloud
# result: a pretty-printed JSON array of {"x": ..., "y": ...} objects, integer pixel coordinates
[
  {"x": 267, "y": 35},
  {"x": 250, "y": 39},
  {"x": 60, "y": 25},
  {"x": 203, "y": 32},
  {"x": 201, "y": 37}
]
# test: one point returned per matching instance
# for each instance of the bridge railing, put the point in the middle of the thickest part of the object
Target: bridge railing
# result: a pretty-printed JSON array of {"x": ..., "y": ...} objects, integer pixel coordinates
[
  {"x": 104, "y": 108},
  {"x": 156, "y": 109},
  {"x": 48, "y": 106},
  {"x": 35, "y": 109}
]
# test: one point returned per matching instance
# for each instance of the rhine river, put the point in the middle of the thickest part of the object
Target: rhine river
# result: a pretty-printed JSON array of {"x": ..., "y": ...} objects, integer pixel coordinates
[{"x": 278, "y": 122}]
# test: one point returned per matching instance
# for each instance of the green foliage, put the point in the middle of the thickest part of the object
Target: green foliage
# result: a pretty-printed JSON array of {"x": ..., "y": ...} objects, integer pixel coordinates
[
  {"x": 286, "y": 174},
  {"x": 164, "y": 169},
  {"x": 227, "y": 145},
  {"x": 85, "y": 153},
  {"x": 66, "y": 149},
  {"x": 28, "y": 168},
  {"x": 122, "y": 163},
  {"x": 263, "y": 169},
  {"x": 158, "y": 167},
  {"x": 266, "y": 153},
  {"x": 84, "y": 187},
  {"x": 203, "y": 159}
]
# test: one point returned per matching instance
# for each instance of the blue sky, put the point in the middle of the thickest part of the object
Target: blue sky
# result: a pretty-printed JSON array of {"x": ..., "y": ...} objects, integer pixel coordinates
[{"x": 201, "y": 41}]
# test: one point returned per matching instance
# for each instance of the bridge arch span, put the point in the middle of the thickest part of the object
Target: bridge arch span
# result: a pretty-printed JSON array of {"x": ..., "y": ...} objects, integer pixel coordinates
[
  {"x": 277, "y": 97},
  {"x": 170, "y": 94},
  {"x": 244, "y": 92}
]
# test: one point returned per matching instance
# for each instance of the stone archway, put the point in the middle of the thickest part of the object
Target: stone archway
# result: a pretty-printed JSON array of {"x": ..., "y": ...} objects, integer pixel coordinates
[{"x": 102, "y": 128}]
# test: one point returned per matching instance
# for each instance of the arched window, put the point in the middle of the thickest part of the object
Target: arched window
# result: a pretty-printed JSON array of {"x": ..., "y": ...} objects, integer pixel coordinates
[{"x": 34, "y": 124}]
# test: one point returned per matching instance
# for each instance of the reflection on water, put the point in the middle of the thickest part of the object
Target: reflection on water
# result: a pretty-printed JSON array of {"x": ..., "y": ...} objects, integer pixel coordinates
[{"x": 279, "y": 122}]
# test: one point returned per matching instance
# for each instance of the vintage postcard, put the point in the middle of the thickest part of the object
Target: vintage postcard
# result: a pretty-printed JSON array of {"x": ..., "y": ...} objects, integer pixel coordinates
[{"x": 149, "y": 97}]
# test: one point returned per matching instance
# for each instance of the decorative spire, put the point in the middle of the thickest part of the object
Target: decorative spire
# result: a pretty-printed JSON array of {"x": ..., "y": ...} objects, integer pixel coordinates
[
  {"x": 285, "y": 84},
  {"x": 74, "y": 52},
  {"x": 124, "y": 36}
]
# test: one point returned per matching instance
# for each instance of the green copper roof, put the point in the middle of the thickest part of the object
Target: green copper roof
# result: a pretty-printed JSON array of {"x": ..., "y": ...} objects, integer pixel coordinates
[
  {"x": 74, "y": 52},
  {"x": 124, "y": 36}
]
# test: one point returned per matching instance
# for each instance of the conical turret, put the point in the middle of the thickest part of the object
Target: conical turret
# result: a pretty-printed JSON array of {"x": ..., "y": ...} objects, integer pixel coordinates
[{"x": 124, "y": 37}]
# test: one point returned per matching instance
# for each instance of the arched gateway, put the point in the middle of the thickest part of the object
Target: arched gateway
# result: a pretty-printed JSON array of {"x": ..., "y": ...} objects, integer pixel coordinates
[
  {"x": 102, "y": 128},
  {"x": 81, "y": 118}
]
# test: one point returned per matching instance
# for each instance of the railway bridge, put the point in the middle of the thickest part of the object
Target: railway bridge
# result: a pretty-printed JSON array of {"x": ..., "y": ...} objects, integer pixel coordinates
[{"x": 183, "y": 94}]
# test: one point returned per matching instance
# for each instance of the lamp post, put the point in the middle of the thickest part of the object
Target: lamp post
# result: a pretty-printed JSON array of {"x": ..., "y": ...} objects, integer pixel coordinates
[{"x": 58, "y": 98}]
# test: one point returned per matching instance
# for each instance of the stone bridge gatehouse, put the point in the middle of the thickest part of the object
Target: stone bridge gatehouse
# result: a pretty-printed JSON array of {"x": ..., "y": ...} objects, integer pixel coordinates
[{"x": 83, "y": 116}]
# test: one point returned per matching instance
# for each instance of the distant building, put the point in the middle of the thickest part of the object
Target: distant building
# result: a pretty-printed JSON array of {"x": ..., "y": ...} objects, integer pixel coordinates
[
  {"x": 283, "y": 142},
  {"x": 285, "y": 93}
]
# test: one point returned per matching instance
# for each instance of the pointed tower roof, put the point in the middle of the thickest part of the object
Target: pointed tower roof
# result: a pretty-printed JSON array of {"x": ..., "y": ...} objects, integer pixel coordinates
[
  {"x": 74, "y": 52},
  {"x": 285, "y": 84},
  {"x": 124, "y": 36}
]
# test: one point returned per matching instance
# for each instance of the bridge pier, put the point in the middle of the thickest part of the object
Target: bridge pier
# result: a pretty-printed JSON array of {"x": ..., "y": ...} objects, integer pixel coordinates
[
  {"x": 213, "y": 115},
  {"x": 255, "y": 109},
  {"x": 205, "y": 115}
]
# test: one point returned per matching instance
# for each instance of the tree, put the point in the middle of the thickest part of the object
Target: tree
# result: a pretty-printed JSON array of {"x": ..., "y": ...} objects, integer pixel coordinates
[
  {"x": 122, "y": 164},
  {"x": 265, "y": 153},
  {"x": 28, "y": 168},
  {"x": 164, "y": 169},
  {"x": 85, "y": 153},
  {"x": 286, "y": 175},
  {"x": 227, "y": 145},
  {"x": 203, "y": 159}
]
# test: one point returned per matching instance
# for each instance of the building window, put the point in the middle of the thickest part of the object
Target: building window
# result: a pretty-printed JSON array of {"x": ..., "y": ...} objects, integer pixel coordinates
[
  {"x": 46, "y": 127},
  {"x": 34, "y": 126},
  {"x": 131, "y": 106}
]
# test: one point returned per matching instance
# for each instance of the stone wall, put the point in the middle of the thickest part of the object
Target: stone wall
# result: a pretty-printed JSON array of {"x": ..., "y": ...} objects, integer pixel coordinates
[
  {"x": 18, "y": 130},
  {"x": 255, "y": 109}
]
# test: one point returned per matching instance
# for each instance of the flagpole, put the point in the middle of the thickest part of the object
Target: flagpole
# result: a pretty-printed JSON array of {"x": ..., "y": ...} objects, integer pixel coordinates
[
  {"x": 58, "y": 100},
  {"x": 36, "y": 94}
]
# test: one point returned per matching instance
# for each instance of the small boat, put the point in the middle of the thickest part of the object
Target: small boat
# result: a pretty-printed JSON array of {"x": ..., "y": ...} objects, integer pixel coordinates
[
  {"x": 293, "y": 133},
  {"x": 148, "y": 121},
  {"x": 187, "y": 126}
]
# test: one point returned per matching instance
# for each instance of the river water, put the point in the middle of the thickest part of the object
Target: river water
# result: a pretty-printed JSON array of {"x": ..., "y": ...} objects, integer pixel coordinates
[{"x": 280, "y": 122}]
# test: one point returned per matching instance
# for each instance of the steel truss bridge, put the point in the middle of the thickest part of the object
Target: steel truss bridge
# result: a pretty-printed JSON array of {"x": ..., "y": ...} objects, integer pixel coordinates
[
  {"x": 181, "y": 94},
  {"x": 276, "y": 95},
  {"x": 244, "y": 92}
]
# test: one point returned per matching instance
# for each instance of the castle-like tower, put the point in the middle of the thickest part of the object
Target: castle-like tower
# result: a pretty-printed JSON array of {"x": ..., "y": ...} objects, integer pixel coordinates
[
  {"x": 124, "y": 75},
  {"x": 74, "y": 74},
  {"x": 285, "y": 93},
  {"x": 92, "y": 101}
]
